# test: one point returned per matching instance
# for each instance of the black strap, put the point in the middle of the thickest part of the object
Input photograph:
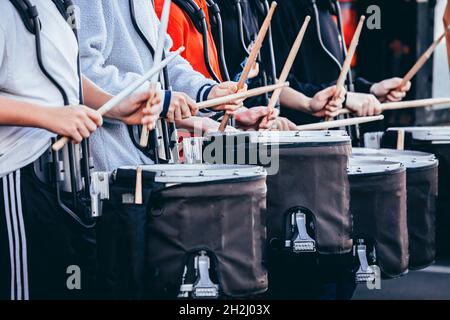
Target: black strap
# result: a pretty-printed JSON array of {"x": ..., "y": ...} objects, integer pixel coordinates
[{"x": 194, "y": 12}]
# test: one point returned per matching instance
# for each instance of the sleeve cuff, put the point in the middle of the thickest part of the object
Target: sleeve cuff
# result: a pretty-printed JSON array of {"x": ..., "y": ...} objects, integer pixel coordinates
[
  {"x": 166, "y": 104},
  {"x": 202, "y": 95}
]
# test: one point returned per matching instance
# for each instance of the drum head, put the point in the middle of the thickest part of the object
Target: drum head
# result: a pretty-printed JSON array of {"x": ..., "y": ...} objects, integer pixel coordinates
[
  {"x": 305, "y": 138},
  {"x": 410, "y": 159},
  {"x": 198, "y": 173},
  {"x": 362, "y": 166},
  {"x": 426, "y": 133}
]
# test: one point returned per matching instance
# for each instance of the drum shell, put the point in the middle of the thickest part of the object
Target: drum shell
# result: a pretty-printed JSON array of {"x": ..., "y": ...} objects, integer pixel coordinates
[
  {"x": 442, "y": 151},
  {"x": 422, "y": 191},
  {"x": 319, "y": 184},
  {"x": 310, "y": 173},
  {"x": 226, "y": 218},
  {"x": 378, "y": 208}
]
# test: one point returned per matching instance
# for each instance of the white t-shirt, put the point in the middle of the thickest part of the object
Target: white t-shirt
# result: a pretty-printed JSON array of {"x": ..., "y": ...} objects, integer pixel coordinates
[{"x": 21, "y": 78}]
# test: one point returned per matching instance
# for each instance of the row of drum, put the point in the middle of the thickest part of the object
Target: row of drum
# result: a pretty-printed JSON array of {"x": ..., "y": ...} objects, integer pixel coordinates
[{"x": 244, "y": 213}]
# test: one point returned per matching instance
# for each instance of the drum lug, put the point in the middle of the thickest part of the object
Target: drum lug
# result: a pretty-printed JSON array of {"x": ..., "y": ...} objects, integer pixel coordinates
[
  {"x": 99, "y": 191},
  {"x": 365, "y": 273},
  {"x": 185, "y": 289},
  {"x": 303, "y": 242},
  {"x": 203, "y": 287}
]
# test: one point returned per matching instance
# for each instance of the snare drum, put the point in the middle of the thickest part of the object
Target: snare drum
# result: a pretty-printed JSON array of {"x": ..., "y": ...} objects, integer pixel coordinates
[
  {"x": 422, "y": 187},
  {"x": 378, "y": 208},
  {"x": 307, "y": 199},
  {"x": 202, "y": 232},
  {"x": 434, "y": 140}
]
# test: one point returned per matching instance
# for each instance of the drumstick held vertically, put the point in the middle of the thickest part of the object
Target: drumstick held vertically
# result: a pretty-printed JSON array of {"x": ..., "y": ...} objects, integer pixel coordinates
[
  {"x": 338, "y": 123},
  {"x": 125, "y": 93},
  {"x": 156, "y": 60},
  {"x": 422, "y": 60},
  {"x": 348, "y": 60},
  {"x": 252, "y": 57},
  {"x": 288, "y": 65}
]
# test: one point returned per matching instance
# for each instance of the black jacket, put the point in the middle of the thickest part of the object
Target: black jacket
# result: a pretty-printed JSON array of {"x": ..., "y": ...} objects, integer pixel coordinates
[{"x": 313, "y": 69}]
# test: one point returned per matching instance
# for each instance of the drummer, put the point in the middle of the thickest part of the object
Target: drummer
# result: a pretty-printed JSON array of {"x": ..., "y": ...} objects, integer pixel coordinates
[
  {"x": 112, "y": 49},
  {"x": 38, "y": 243},
  {"x": 319, "y": 61},
  {"x": 183, "y": 31}
]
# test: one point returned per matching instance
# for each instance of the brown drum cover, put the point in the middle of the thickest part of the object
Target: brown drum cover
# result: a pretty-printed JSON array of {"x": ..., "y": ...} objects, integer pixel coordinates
[
  {"x": 378, "y": 207},
  {"x": 226, "y": 218},
  {"x": 313, "y": 177}
]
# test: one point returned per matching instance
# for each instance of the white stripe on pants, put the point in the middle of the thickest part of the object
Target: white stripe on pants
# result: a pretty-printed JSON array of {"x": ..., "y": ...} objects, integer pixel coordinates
[{"x": 16, "y": 236}]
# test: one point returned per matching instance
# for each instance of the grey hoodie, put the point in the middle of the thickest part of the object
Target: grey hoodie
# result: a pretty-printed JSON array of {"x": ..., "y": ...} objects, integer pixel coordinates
[{"x": 113, "y": 56}]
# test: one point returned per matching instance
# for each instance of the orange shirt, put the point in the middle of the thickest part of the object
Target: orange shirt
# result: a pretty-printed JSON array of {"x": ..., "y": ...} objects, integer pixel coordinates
[{"x": 183, "y": 33}]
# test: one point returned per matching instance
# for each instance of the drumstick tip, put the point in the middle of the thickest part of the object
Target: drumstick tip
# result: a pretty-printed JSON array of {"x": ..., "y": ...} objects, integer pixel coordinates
[
  {"x": 274, "y": 4},
  {"x": 308, "y": 18}
]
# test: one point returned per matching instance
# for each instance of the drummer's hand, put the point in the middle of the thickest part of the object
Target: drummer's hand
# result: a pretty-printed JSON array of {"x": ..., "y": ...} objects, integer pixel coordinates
[
  {"x": 208, "y": 125},
  {"x": 388, "y": 90},
  {"x": 283, "y": 124},
  {"x": 225, "y": 89},
  {"x": 133, "y": 111},
  {"x": 363, "y": 104},
  {"x": 181, "y": 107},
  {"x": 255, "y": 118},
  {"x": 324, "y": 103}
]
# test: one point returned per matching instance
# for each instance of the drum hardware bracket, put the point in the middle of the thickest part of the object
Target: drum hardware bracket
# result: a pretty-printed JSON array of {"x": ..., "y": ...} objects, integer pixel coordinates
[
  {"x": 303, "y": 242},
  {"x": 99, "y": 191},
  {"x": 203, "y": 287},
  {"x": 185, "y": 289},
  {"x": 365, "y": 273}
]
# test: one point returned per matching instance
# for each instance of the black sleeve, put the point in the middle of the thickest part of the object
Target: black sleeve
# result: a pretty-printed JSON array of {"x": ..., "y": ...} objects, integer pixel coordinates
[{"x": 362, "y": 85}]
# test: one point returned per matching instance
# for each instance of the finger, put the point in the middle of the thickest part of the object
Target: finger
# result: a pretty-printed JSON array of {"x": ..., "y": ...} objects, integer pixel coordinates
[
  {"x": 84, "y": 132},
  {"x": 186, "y": 112},
  {"x": 90, "y": 125},
  {"x": 95, "y": 116},
  {"x": 192, "y": 106},
  {"x": 177, "y": 113}
]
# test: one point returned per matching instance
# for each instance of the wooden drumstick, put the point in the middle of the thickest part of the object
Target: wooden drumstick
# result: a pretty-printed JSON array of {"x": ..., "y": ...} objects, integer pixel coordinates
[
  {"x": 138, "y": 199},
  {"x": 156, "y": 60},
  {"x": 288, "y": 65},
  {"x": 58, "y": 145},
  {"x": 401, "y": 139},
  {"x": 422, "y": 60},
  {"x": 252, "y": 58},
  {"x": 348, "y": 60},
  {"x": 405, "y": 104},
  {"x": 240, "y": 95},
  {"x": 338, "y": 123}
]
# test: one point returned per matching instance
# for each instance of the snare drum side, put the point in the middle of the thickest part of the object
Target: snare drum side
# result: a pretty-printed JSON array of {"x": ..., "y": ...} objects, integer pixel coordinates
[
  {"x": 378, "y": 208},
  {"x": 225, "y": 218},
  {"x": 314, "y": 178}
]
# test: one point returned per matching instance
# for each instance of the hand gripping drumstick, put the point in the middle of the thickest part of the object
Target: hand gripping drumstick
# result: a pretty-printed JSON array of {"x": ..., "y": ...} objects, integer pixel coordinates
[
  {"x": 288, "y": 65},
  {"x": 348, "y": 60},
  {"x": 405, "y": 104},
  {"x": 241, "y": 95},
  {"x": 252, "y": 58},
  {"x": 157, "y": 60},
  {"x": 338, "y": 123},
  {"x": 58, "y": 145},
  {"x": 422, "y": 60}
]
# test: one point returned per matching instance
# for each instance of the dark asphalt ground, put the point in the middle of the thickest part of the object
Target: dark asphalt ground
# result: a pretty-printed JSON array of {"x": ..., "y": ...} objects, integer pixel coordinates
[{"x": 432, "y": 283}]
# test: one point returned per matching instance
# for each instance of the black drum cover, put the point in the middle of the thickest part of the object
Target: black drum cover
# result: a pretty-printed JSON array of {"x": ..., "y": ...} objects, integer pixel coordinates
[
  {"x": 422, "y": 190},
  {"x": 224, "y": 218},
  {"x": 122, "y": 239},
  {"x": 442, "y": 152},
  {"x": 378, "y": 208}
]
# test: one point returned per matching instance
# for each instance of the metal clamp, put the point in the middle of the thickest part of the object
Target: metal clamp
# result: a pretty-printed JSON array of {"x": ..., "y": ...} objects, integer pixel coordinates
[
  {"x": 203, "y": 287},
  {"x": 365, "y": 272},
  {"x": 303, "y": 242},
  {"x": 99, "y": 191}
]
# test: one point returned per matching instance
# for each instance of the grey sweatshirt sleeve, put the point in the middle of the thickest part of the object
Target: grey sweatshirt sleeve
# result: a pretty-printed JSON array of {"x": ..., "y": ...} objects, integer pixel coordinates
[{"x": 96, "y": 19}]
